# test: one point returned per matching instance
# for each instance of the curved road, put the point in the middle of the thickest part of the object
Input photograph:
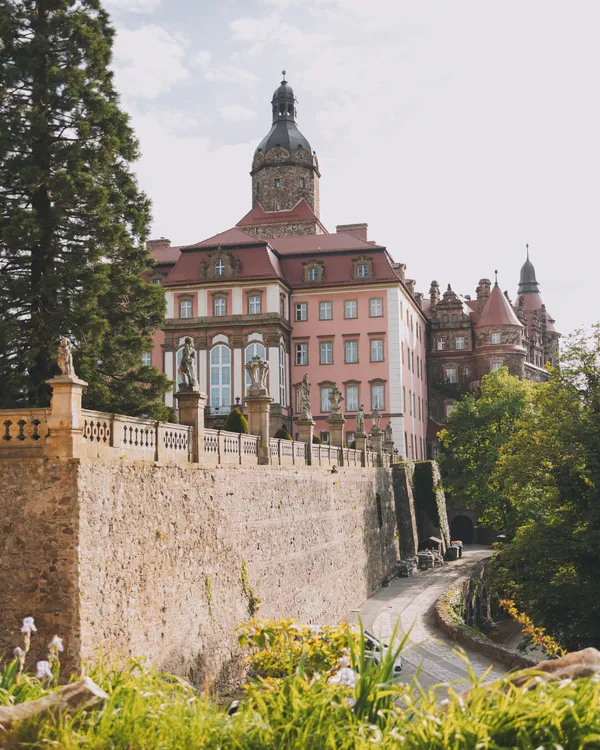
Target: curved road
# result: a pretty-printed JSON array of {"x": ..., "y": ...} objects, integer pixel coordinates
[{"x": 409, "y": 601}]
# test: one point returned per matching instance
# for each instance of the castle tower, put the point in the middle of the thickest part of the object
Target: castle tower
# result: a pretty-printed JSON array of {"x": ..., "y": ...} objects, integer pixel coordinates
[{"x": 285, "y": 169}]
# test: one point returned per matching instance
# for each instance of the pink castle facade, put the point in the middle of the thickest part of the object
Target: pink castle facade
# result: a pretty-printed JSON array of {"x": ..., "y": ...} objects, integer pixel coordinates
[{"x": 334, "y": 306}]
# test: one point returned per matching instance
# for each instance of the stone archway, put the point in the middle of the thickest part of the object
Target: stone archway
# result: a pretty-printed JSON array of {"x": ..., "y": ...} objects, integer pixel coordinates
[{"x": 461, "y": 527}]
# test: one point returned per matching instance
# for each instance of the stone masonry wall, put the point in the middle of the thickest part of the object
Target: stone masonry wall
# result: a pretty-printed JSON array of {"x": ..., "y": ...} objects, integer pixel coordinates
[
  {"x": 38, "y": 554},
  {"x": 170, "y": 556}
]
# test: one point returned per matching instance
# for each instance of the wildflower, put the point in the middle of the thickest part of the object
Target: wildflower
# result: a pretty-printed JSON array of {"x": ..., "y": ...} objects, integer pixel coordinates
[
  {"x": 28, "y": 626},
  {"x": 564, "y": 683},
  {"x": 344, "y": 661},
  {"x": 347, "y": 677},
  {"x": 56, "y": 643},
  {"x": 43, "y": 670},
  {"x": 19, "y": 653}
]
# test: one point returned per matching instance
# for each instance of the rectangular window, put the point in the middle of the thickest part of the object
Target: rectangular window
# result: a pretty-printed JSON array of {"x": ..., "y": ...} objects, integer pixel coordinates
[
  {"x": 377, "y": 397},
  {"x": 451, "y": 375},
  {"x": 301, "y": 354},
  {"x": 158, "y": 282},
  {"x": 352, "y": 398},
  {"x": 277, "y": 182},
  {"x": 459, "y": 342},
  {"x": 349, "y": 438},
  {"x": 376, "y": 350},
  {"x": 220, "y": 306},
  {"x": 376, "y": 307},
  {"x": 185, "y": 308},
  {"x": 325, "y": 310},
  {"x": 147, "y": 359},
  {"x": 466, "y": 372},
  {"x": 254, "y": 304},
  {"x": 496, "y": 366},
  {"x": 404, "y": 398},
  {"x": 312, "y": 274},
  {"x": 362, "y": 271},
  {"x": 326, "y": 352},
  {"x": 441, "y": 344},
  {"x": 301, "y": 310},
  {"x": 282, "y": 305},
  {"x": 414, "y": 404},
  {"x": 350, "y": 308},
  {"x": 325, "y": 405},
  {"x": 496, "y": 338},
  {"x": 351, "y": 348},
  {"x": 324, "y": 437},
  {"x": 410, "y": 402}
]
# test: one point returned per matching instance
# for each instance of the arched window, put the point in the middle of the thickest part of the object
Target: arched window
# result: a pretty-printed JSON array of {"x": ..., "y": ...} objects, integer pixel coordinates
[
  {"x": 220, "y": 376},
  {"x": 282, "y": 392},
  {"x": 252, "y": 350},
  {"x": 220, "y": 268}
]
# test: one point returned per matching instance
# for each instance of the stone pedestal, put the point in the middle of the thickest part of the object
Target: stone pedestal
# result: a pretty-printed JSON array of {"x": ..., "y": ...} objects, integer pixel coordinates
[
  {"x": 191, "y": 412},
  {"x": 377, "y": 439},
  {"x": 360, "y": 441},
  {"x": 388, "y": 447},
  {"x": 336, "y": 424},
  {"x": 259, "y": 411},
  {"x": 65, "y": 423},
  {"x": 306, "y": 430}
]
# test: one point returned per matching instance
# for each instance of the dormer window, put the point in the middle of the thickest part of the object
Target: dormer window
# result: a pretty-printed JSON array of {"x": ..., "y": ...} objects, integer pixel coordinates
[
  {"x": 157, "y": 282},
  {"x": 496, "y": 337},
  {"x": 220, "y": 268},
  {"x": 277, "y": 182},
  {"x": 313, "y": 271},
  {"x": 312, "y": 274},
  {"x": 362, "y": 271},
  {"x": 362, "y": 267}
]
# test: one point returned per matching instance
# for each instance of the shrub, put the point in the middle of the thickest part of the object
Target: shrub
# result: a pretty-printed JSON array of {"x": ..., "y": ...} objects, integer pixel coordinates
[
  {"x": 317, "y": 440},
  {"x": 236, "y": 422},
  {"x": 282, "y": 433}
]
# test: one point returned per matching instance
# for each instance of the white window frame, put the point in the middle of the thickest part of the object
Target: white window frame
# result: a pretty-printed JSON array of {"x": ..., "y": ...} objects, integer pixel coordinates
[
  {"x": 327, "y": 348},
  {"x": 378, "y": 396},
  {"x": 376, "y": 307},
  {"x": 327, "y": 306},
  {"x": 362, "y": 271},
  {"x": 376, "y": 346},
  {"x": 147, "y": 359},
  {"x": 187, "y": 306},
  {"x": 282, "y": 378},
  {"x": 301, "y": 309},
  {"x": 220, "y": 267},
  {"x": 451, "y": 375},
  {"x": 220, "y": 307},
  {"x": 496, "y": 337},
  {"x": 254, "y": 305},
  {"x": 351, "y": 304},
  {"x": 441, "y": 345},
  {"x": 351, "y": 402},
  {"x": 460, "y": 342},
  {"x": 301, "y": 348},
  {"x": 352, "y": 348},
  {"x": 494, "y": 366},
  {"x": 325, "y": 393},
  {"x": 312, "y": 274},
  {"x": 220, "y": 376}
]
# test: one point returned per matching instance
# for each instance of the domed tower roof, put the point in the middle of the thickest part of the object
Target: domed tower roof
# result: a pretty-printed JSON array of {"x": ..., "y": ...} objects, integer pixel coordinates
[
  {"x": 284, "y": 131},
  {"x": 527, "y": 280}
]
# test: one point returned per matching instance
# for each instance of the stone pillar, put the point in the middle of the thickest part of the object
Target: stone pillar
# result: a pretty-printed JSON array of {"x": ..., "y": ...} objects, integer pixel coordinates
[
  {"x": 259, "y": 417},
  {"x": 306, "y": 430},
  {"x": 336, "y": 424},
  {"x": 191, "y": 412},
  {"x": 377, "y": 439},
  {"x": 65, "y": 423},
  {"x": 360, "y": 441},
  {"x": 388, "y": 447}
]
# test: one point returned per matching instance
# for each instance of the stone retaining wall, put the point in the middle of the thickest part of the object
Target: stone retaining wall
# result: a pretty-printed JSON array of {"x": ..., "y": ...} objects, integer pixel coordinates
[{"x": 165, "y": 560}]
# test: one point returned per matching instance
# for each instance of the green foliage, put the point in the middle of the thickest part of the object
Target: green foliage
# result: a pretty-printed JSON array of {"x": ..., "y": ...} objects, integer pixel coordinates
[
  {"x": 73, "y": 222},
  {"x": 249, "y": 594},
  {"x": 282, "y": 434},
  {"x": 236, "y": 422},
  {"x": 476, "y": 432},
  {"x": 316, "y": 440},
  {"x": 155, "y": 711},
  {"x": 430, "y": 500}
]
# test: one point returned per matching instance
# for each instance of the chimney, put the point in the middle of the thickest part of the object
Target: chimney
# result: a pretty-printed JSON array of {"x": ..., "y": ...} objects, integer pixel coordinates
[
  {"x": 483, "y": 292},
  {"x": 356, "y": 230},
  {"x": 434, "y": 293},
  {"x": 410, "y": 285},
  {"x": 399, "y": 269},
  {"x": 419, "y": 299},
  {"x": 161, "y": 243}
]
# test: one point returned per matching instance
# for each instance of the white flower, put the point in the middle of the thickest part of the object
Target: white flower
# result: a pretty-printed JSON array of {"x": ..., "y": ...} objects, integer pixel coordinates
[
  {"x": 43, "y": 670},
  {"x": 56, "y": 643},
  {"x": 347, "y": 677},
  {"x": 344, "y": 661},
  {"x": 19, "y": 653},
  {"x": 564, "y": 683},
  {"x": 28, "y": 625}
]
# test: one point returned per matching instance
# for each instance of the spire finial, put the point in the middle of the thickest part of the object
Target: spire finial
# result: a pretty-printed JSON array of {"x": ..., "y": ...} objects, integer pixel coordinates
[
  {"x": 496, "y": 272},
  {"x": 527, "y": 246},
  {"x": 283, "y": 74}
]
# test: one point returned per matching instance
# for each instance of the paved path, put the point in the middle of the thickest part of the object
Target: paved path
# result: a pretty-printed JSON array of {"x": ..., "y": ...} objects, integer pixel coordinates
[{"x": 409, "y": 601}]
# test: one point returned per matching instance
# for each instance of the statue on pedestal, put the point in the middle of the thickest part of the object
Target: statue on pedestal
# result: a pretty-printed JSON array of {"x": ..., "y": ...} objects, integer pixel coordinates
[
  {"x": 376, "y": 417},
  {"x": 388, "y": 436},
  {"x": 304, "y": 398},
  {"x": 258, "y": 369},
  {"x": 65, "y": 357},
  {"x": 335, "y": 399},
  {"x": 360, "y": 420},
  {"x": 187, "y": 366}
]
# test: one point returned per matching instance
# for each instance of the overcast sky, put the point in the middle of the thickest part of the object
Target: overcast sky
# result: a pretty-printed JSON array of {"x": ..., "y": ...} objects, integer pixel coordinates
[{"x": 458, "y": 130}]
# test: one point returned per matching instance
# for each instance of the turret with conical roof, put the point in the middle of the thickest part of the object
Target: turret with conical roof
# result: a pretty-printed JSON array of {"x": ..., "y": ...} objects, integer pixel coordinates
[{"x": 285, "y": 170}]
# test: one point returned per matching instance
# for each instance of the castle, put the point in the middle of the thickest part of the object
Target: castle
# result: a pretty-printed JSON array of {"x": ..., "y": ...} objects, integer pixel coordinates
[{"x": 335, "y": 306}]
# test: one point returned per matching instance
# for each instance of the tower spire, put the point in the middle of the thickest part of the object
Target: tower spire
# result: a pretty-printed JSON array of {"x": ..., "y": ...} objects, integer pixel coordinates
[{"x": 528, "y": 281}]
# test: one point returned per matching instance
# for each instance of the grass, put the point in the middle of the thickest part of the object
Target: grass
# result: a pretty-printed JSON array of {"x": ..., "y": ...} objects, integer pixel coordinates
[{"x": 297, "y": 702}]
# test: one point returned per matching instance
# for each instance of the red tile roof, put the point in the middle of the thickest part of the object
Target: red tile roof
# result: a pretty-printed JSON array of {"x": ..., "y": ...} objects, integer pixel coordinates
[
  {"x": 497, "y": 311},
  {"x": 232, "y": 236},
  {"x": 301, "y": 212},
  {"x": 311, "y": 244},
  {"x": 338, "y": 270},
  {"x": 165, "y": 255},
  {"x": 256, "y": 263}
]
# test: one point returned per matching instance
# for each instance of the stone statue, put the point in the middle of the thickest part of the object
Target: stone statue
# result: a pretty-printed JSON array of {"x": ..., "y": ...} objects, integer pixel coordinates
[
  {"x": 258, "y": 369},
  {"x": 376, "y": 417},
  {"x": 65, "y": 357},
  {"x": 187, "y": 366},
  {"x": 360, "y": 420},
  {"x": 335, "y": 399},
  {"x": 388, "y": 436},
  {"x": 304, "y": 398}
]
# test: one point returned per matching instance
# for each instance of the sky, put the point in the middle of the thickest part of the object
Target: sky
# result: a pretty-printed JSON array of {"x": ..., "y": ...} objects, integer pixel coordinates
[{"x": 459, "y": 131}]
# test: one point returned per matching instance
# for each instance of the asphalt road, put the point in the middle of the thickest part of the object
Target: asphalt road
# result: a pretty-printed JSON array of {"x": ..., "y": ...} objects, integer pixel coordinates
[{"x": 409, "y": 602}]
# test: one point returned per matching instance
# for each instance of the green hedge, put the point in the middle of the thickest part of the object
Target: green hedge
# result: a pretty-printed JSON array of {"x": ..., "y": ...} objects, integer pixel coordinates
[{"x": 236, "y": 422}]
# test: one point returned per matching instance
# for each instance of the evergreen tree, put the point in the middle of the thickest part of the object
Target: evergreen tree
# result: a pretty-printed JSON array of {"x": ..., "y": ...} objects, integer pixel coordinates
[
  {"x": 73, "y": 222},
  {"x": 236, "y": 422}
]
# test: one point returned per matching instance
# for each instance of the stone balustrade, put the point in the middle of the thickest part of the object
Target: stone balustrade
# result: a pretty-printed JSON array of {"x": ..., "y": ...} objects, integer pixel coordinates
[{"x": 23, "y": 432}]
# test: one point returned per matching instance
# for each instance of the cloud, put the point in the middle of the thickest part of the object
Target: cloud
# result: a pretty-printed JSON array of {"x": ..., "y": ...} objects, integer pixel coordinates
[
  {"x": 236, "y": 113},
  {"x": 224, "y": 73},
  {"x": 149, "y": 60},
  {"x": 133, "y": 6}
]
